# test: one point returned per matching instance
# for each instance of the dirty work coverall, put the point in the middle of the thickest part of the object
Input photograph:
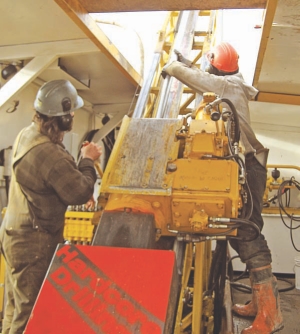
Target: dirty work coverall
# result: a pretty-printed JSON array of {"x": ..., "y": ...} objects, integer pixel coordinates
[
  {"x": 45, "y": 180},
  {"x": 255, "y": 253}
]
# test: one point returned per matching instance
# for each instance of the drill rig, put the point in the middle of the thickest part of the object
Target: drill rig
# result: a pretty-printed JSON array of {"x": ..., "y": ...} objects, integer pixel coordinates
[
  {"x": 179, "y": 184},
  {"x": 173, "y": 192}
]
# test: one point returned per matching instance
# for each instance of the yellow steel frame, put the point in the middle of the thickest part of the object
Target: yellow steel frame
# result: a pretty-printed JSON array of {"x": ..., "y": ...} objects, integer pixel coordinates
[{"x": 197, "y": 262}]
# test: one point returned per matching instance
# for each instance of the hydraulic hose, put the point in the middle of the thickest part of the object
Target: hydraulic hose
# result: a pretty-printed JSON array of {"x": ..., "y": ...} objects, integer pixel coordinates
[
  {"x": 234, "y": 282},
  {"x": 252, "y": 225},
  {"x": 216, "y": 281},
  {"x": 236, "y": 119}
]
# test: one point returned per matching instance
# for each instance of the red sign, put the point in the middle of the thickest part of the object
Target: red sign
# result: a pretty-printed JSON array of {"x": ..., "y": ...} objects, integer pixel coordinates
[{"x": 95, "y": 289}]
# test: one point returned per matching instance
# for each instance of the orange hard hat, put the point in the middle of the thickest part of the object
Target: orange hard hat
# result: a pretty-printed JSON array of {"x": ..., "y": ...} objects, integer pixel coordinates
[{"x": 224, "y": 57}]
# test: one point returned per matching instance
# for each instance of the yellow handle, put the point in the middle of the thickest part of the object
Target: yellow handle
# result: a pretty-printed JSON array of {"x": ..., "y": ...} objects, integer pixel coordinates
[{"x": 98, "y": 168}]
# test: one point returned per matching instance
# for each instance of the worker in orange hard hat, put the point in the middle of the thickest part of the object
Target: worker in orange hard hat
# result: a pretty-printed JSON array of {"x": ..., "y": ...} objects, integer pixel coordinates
[
  {"x": 222, "y": 77},
  {"x": 223, "y": 60}
]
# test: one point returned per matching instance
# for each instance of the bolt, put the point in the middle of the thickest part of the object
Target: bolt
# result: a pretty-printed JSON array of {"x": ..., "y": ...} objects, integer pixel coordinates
[{"x": 172, "y": 167}]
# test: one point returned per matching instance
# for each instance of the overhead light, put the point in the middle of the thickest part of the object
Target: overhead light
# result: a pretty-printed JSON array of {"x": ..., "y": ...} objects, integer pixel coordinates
[{"x": 8, "y": 71}]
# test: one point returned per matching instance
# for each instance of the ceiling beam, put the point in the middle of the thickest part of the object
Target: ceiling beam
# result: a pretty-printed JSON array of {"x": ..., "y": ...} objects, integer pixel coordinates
[
  {"x": 81, "y": 17},
  {"x": 24, "y": 77},
  {"x": 106, "y": 6},
  {"x": 266, "y": 30},
  {"x": 60, "y": 48},
  {"x": 278, "y": 98},
  {"x": 109, "y": 126}
]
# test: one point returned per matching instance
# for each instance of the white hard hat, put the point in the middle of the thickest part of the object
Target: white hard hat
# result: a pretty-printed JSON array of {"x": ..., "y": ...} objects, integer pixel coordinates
[{"x": 57, "y": 98}]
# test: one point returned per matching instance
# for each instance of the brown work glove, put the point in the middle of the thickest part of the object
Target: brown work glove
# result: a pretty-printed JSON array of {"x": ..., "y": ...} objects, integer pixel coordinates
[{"x": 182, "y": 59}]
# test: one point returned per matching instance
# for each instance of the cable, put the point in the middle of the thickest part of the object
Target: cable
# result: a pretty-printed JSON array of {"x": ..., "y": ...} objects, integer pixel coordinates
[
  {"x": 291, "y": 236},
  {"x": 247, "y": 288},
  {"x": 237, "y": 131},
  {"x": 282, "y": 190},
  {"x": 216, "y": 281},
  {"x": 249, "y": 206},
  {"x": 249, "y": 203},
  {"x": 229, "y": 134},
  {"x": 279, "y": 195}
]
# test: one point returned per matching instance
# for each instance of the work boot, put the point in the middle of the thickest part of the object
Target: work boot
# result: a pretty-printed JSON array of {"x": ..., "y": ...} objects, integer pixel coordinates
[
  {"x": 266, "y": 298},
  {"x": 182, "y": 59},
  {"x": 247, "y": 310}
]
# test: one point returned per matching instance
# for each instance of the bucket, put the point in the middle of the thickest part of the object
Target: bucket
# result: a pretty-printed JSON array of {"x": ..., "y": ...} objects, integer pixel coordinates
[{"x": 297, "y": 272}]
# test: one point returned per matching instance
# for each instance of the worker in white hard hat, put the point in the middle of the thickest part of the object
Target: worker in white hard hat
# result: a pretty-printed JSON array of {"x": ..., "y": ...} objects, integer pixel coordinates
[
  {"x": 223, "y": 78},
  {"x": 45, "y": 181}
]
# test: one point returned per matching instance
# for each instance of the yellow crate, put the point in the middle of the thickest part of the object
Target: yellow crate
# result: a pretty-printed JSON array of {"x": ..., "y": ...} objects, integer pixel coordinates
[{"x": 79, "y": 226}]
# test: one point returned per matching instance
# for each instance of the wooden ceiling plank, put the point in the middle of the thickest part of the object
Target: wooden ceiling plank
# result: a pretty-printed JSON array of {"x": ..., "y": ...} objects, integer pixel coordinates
[
  {"x": 266, "y": 30},
  {"x": 87, "y": 24},
  {"x": 106, "y": 6},
  {"x": 278, "y": 98}
]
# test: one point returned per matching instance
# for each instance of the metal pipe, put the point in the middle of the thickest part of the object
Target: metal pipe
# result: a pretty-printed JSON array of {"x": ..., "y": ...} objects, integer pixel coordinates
[
  {"x": 145, "y": 91},
  {"x": 284, "y": 166},
  {"x": 169, "y": 106}
]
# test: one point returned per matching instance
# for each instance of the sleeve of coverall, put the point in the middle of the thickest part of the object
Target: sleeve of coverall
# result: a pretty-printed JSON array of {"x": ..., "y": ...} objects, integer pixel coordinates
[
  {"x": 74, "y": 185},
  {"x": 197, "y": 79}
]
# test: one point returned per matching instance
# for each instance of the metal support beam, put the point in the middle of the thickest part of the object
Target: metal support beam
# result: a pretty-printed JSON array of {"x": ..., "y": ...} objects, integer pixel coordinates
[
  {"x": 109, "y": 126},
  {"x": 24, "y": 77},
  {"x": 278, "y": 98},
  {"x": 96, "y": 6},
  {"x": 81, "y": 17}
]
